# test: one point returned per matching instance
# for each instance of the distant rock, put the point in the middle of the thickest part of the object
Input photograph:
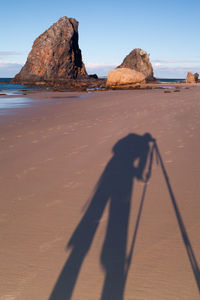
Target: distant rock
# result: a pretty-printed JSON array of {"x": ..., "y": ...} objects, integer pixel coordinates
[
  {"x": 138, "y": 60},
  {"x": 192, "y": 78},
  {"x": 124, "y": 76},
  {"x": 55, "y": 56}
]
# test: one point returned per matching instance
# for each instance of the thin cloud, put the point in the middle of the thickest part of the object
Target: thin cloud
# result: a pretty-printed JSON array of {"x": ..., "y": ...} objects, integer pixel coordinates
[
  {"x": 100, "y": 65},
  {"x": 101, "y": 69},
  {"x": 7, "y": 63},
  {"x": 10, "y": 53},
  {"x": 9, "y": 69},
  {"x": 175, "y": 68},
  {"x": 172, "y": 71},
  {"x": 182, "y": 68},
  {"x": 174, "y": 61}
]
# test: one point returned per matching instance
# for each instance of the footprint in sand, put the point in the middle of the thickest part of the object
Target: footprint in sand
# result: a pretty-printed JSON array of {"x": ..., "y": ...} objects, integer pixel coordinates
[
  {"x": 169, "y": 161},
  {"x": 83, "y": 146},
  {"x": 75, "y": 152},
  {"x": 33, "y": 168},
  {"x": 50, "y": 204},
  {"x": 102, "y": 142},
  {"x": 168, "y": 152},
  {"x": 71, "y": 185},
  {"x": 44, "y": 247},
  {"x": 79, "y": 172},
  {"x": 3, "y": 218},
  {"x": 7, "y": 297},
  {"x": 31, "y": 132},
  {"x": 48, "y": 159},
  {"x": 181, "y": 146},
  {"x": 104, "y": 139}
]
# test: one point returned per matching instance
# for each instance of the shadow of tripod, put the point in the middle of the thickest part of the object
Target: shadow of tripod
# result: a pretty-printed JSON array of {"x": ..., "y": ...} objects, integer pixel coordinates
[
  {"x": 114, "y": 190},
  {"x": 185, "y": 237}
]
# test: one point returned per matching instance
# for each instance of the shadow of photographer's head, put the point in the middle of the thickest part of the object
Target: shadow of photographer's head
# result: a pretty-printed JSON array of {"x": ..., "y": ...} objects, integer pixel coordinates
[{"x": 132, "y": 152}]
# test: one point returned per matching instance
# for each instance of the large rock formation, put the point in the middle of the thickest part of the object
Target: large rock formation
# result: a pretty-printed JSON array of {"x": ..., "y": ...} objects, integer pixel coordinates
[
  {"x": 192, "y": 78},
  {"x": 124, "y": 76},
  {"x": 138, "y": 60},
  {"x": 55, "y": 55}
]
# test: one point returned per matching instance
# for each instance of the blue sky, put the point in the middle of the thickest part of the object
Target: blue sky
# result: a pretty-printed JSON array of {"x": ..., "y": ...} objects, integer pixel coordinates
[{"x": 108, "y": 31}]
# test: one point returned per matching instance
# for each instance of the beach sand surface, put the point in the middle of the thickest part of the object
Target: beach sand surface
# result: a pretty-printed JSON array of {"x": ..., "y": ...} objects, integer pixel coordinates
[{"x": 53, "y": 154}]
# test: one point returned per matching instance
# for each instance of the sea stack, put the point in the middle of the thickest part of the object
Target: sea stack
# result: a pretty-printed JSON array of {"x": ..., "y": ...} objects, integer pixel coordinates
[
  {"x": 136, "y": 68},
  {"x": 192, "y": 78},
  {"x": 55, "y": 56},
  {"x": 139, "y": 61}
]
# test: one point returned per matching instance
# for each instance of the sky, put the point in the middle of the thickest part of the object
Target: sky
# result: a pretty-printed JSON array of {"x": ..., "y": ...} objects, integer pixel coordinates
[{"x": 108, "y": 31}]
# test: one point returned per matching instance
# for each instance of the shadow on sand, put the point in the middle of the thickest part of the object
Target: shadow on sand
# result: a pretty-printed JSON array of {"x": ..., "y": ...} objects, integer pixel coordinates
[{"x": 129, "y": 161}]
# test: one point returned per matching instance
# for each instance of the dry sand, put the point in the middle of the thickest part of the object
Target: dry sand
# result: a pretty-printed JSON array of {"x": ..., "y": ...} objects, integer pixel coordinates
[{"x": 53, "y": 154}]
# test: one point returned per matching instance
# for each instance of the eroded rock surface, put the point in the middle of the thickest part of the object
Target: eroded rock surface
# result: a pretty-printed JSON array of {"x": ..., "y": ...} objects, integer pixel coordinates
[
  {"x": 138, "y": 60},
  {"x": 122, "y": 76},
  {"x": 55, "y": 55},
  {"x": 192, "y": 78}
]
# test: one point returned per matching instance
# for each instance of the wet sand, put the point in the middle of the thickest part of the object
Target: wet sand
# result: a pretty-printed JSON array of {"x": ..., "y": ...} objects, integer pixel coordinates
[{"x": 52, "y": 156}]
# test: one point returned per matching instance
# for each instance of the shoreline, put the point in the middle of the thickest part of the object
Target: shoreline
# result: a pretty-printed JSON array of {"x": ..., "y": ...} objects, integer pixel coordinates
[
  {"x": 98, "y": 88},
  {"x": 27, "y": 98},
  {"x": 146, "y": 86}
]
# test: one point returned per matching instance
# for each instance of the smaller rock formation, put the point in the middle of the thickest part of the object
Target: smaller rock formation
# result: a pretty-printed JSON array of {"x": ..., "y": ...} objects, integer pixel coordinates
[
  {"x": 138, "y": 60},
  {"x": 124, "y": 76},
  {"x": 192, "y": 78}
]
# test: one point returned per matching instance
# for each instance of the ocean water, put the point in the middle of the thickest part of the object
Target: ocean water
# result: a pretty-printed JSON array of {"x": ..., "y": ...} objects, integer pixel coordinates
[
  {"x": 171, "y": 80},
  {"x": 162, "y": 80},
  {"x": 8, "y": 105},
  {"x": 12, "y": 89}
]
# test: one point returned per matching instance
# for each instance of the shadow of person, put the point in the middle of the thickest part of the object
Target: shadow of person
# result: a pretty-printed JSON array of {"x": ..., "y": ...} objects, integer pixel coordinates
[{"x": 114, "y": 188}]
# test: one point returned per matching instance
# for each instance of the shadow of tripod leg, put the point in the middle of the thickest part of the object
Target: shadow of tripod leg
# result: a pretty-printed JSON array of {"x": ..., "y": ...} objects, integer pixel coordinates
[{"x": 182, "y": 228}]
